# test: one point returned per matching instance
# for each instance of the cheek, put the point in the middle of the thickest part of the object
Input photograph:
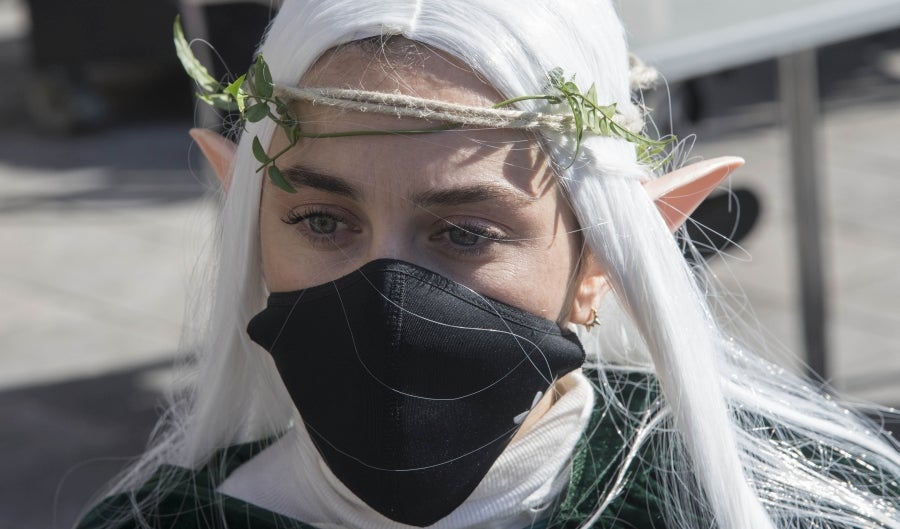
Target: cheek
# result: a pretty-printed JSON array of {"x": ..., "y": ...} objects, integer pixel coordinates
[
  {"x": 557, "y": 271},
  {"x": 539, "y": 281},
  {"x": 553, "y": 284}
]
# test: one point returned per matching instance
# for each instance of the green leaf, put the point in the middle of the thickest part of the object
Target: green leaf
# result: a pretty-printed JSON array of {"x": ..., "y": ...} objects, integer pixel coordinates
[
  {"x": 556, "y": 77},
  {"x": 189, "y": 62},
  {"x": 220, "y": 101},
  {"x": 234, "y": 90},
  {"x": 259, "y": 152},
  {"x": 578, "y": 113},
  {"x": 234, "y": 87},
  {"x": 591, "y": 94},
  {"x": 609, "y": 110},
  {"x": 604, "y": 128},
  {"x": 256, "y": 112},
  {"x": 277, "y": 178},
  {"x": 262, "y": 79}
]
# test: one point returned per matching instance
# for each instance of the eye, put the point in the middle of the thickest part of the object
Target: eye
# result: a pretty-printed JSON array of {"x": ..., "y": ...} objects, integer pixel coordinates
[
  {"x": 318, "y": 221},
  {"x": 321, "y": 226},
  {"x": 463, "y": 237},
  {"x": 468, "y": 236},
  {"x": 325, "y": 224}
]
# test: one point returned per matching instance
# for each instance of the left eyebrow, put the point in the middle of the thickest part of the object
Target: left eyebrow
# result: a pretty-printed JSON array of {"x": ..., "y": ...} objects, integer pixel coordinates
[
  {"x": 472, "y": 194},
  {"x": 305, "y": 177}
]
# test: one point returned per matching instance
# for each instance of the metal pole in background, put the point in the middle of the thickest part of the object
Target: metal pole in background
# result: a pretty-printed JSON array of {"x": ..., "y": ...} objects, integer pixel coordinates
[{"x": 799, "y": 92}]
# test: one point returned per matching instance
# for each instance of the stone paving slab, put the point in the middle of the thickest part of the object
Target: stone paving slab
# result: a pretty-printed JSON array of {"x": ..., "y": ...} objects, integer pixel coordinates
[{"x": 96, "y": 258}]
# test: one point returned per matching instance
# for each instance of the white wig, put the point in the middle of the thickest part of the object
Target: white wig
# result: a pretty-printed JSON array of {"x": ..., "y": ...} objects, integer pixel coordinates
[{"x": 735, "y": 424}]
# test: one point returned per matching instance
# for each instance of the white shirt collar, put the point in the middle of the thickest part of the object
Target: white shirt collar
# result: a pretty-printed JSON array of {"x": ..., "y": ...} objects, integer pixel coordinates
[{"x": 290, "y": 477}]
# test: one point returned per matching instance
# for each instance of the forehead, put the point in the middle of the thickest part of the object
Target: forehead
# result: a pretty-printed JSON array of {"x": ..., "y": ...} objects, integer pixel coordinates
[
  {"x": 402, "y": 66},
  {"x": 418, "y": 161}
]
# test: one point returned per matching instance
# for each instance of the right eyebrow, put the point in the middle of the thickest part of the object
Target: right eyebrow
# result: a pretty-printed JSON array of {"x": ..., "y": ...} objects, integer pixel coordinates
[{"x": 300, "y": 176}]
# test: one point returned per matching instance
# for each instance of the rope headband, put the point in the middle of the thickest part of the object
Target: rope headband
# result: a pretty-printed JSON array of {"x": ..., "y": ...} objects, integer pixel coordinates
[
  {"x": 256, "y": 97},
  {"x": 406, "y": 106}
]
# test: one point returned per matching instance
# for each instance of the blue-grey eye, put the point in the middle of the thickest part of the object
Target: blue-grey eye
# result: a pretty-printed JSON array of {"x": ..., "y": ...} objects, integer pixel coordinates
[
  {"x": 324, "y": 224},
  {"x": 463, "y": 237}
]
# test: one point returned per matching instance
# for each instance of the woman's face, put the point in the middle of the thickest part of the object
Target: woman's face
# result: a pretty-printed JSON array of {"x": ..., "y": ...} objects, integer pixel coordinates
[{"x": 480, "y": 207}]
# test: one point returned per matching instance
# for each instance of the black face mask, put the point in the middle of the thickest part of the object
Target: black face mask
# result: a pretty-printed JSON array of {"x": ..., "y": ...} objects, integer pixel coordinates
[{"x": 410, "y": 384}]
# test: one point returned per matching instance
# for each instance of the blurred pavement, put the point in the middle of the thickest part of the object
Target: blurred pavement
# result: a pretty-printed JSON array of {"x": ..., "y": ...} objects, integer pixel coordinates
[{"x": 99, "y": 234}]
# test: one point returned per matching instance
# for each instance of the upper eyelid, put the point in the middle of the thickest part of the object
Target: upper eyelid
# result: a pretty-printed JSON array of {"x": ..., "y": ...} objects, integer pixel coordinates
[
  {"x": 324, "y": 208},
  {"x": 483, "y": 230},
  {"x": 312, "y": 210}
]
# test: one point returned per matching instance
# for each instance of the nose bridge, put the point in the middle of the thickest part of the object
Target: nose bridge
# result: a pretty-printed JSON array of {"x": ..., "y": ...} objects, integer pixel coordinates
[
  {"x": 391, "y": 240},
  {"x": 393, "y": 219}
]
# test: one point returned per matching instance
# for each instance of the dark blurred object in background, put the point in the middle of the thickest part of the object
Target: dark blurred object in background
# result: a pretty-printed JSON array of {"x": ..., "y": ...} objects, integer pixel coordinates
[
  {"x": 722, "y": 221},
  {"x": 95, "y": 62},
  {"x": 84, "y": 52},
  {"x": 235, "y": 29}
]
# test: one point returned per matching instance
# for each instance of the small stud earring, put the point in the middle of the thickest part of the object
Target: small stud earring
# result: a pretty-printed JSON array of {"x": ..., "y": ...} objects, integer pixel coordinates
[{"x": 595, "y": 320}]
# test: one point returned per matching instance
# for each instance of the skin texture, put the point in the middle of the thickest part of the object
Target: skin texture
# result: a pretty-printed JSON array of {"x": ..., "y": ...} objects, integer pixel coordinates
[{"x": 480, "y": 207}]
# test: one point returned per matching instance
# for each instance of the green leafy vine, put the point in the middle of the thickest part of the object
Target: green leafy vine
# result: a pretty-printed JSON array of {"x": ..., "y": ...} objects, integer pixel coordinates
[
  {"x": 252, "y": 95},
  {"x": 589, "y": 115}
]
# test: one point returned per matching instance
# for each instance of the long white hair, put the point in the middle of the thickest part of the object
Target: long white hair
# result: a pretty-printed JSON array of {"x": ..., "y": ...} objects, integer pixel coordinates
[{"x": 745, "y": 440}]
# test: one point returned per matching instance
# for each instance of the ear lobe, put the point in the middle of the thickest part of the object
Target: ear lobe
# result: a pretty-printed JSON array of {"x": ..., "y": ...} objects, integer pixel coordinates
[
  {"x": 677, "y": 194},
  {"x": 589, "y": 292},
  {"x": 219, "y": 151}
]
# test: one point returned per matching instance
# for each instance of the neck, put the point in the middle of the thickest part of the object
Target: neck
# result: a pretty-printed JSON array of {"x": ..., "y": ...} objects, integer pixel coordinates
[{"x": 553, "y": 394}]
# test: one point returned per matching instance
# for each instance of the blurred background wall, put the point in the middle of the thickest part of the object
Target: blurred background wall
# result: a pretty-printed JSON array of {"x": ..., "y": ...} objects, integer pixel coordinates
[{"x": 102, "y": 219}]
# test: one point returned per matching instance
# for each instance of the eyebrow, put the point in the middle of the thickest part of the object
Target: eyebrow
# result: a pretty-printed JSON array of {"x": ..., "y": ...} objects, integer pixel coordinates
[
  {"x": 472, "y": 194},
  {"x": 300, "y": 176}
]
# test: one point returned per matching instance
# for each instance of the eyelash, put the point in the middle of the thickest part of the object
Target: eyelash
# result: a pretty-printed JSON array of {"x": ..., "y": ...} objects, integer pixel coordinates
[
  {"x": 295, "y": 217},
  {"x": 485, "y": 234}
]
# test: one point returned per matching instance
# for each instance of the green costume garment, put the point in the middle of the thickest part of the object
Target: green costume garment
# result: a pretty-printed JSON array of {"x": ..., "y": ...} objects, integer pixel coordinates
[{"x": 180, "y": 498}]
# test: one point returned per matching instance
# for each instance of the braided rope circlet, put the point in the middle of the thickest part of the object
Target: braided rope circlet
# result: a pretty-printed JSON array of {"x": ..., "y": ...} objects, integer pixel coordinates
[{"x": 402, "y": 105}]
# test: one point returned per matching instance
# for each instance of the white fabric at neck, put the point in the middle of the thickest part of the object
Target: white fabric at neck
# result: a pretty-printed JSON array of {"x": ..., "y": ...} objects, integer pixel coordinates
[{"x": 290, "y": 477}]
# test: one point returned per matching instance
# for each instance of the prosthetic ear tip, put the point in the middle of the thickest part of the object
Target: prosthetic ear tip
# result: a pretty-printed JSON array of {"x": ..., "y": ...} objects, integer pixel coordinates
[
  {"x": 722, "y": 165},
  {"x": 710, "y": 171},
  {"x": 218, "y": 150},
  {"x": 196, "y": 133},
  {"x": 725, "y": 162}
]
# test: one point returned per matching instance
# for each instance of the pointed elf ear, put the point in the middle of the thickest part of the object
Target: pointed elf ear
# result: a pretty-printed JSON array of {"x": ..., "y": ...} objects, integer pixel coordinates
[
  {"x": 677, "y": 194},
  {"x": 219, "y": 151}
]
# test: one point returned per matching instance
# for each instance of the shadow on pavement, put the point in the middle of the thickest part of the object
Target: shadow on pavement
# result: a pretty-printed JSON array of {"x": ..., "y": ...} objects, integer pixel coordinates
[
  {"x": 136, "y": 165},
  {"x": 62, "y": 443}
]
